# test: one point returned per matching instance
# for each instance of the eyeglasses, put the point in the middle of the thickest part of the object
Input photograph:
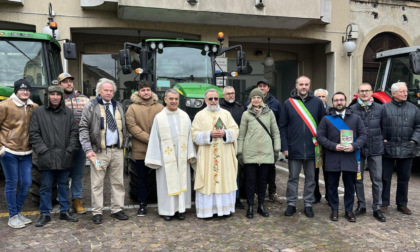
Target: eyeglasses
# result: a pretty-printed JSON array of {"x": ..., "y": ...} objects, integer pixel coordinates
[
  {"x": 321, "y": 96},
  {"x": 24, "y": 90},
  {"x": 339, "y": 100},
  {"x": 256, "y": 98},
  {"x": 364, "y": 91},
  {"x": 213, "y": 98},
  {"x": 232, "y": 93}
]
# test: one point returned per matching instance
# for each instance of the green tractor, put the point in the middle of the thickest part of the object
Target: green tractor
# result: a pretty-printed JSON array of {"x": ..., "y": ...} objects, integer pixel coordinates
[
  {"x": 37, "y": 58},
  {"x": 190, "y": 67}
]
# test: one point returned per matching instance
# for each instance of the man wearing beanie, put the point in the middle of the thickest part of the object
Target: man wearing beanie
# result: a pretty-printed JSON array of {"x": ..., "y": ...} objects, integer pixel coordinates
[
  {"x": 76, "y": 102},
  {"x": 275, "y": 106},
  {"x": 16, "y": 151},
  {"x": 53, "y": 134}
]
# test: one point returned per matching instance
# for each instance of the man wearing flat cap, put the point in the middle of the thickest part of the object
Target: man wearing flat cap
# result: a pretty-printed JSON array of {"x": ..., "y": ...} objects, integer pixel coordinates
[
  {"x": 53, "y": 134},
  {"x": 16, "y": 151}
]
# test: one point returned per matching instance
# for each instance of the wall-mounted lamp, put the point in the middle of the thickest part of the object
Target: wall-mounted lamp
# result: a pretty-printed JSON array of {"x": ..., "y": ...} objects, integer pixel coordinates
[
  {"x": 259, "y": 3},
  {"x": 192, "y": 2},
  {"x": 351, "y": 34},
  {"x": 268, "y": 61},
  {"x": 51, "y": 27}
]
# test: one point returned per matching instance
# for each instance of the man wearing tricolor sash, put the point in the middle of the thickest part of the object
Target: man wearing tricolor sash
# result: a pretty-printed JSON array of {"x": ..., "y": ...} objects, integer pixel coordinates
[
  {"x": 342, "y": 134},
  {"x": 300, "y": 116},
  {"x": 170, "y": 150}
]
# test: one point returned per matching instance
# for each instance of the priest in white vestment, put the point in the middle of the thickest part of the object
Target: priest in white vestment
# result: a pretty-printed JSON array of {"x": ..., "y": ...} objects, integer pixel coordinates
[
  {"x": 170, "y": 151},
  {"x": 215, "y": 132}
]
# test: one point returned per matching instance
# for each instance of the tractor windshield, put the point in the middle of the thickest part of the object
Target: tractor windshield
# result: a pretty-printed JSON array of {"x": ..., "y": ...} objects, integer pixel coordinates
[
  {"x": 175, "y": 64},
  {"x": 397, "y": 69},
  {"x": 28, "y": 59}
]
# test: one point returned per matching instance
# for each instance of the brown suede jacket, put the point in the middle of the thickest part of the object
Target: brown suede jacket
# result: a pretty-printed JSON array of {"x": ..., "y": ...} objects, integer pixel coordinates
[
  {"x": 139, "y": 119},
  {"x": 14, "y": 126}
]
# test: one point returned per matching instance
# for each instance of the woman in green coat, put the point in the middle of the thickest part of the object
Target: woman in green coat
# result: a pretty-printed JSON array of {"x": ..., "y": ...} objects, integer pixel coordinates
[{"x": 258, "y": 148}]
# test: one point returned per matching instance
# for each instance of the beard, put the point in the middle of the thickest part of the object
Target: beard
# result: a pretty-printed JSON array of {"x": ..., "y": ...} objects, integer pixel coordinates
[
  {"x": 230, "y": 100},
  {"x": 213, "y": 108},
  {"x": 340, "y": 109}
]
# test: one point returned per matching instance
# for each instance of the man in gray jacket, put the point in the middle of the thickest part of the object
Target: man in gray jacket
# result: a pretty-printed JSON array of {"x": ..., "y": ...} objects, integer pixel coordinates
[
  {"x": 102, "y": 134},
  {"x": 371, "y": 114},
  {"x": 401, "y": 132}
]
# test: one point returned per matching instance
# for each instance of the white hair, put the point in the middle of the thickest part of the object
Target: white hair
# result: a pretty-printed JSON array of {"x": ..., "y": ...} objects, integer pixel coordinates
[
  {"x": 211, "y": 90},
  {"x": 396, "y": 86},
  {"x": 321, "y": 90},
  {"x": 227, "y": 88},
  {"x": 103, "y": 81}
]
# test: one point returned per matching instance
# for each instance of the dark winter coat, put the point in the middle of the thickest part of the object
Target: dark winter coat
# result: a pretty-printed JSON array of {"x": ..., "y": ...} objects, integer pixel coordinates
[
  {"x": 329, "y": 137},
  {"x": 272, "y": 103},
  {"x": 371, "y": 117},
  {"x": 400, "y": 125},
  {"x": 235, "y": 109},
  {"x": 54, "y": 136},
  {"x": 296, "y": 137}
]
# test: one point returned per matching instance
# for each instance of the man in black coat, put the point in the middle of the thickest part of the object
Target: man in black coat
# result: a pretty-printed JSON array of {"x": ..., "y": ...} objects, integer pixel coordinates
[
  {"x": 53, "y": 133},
  {"x": 401, "y": 134},
  {"x": 299, "y": 119},
  {"x": 371, "y": 114},
  {"x": 341, "y": 157},
  {"x": 275, "y": 106},
  {"x": 236, "y": 110}
]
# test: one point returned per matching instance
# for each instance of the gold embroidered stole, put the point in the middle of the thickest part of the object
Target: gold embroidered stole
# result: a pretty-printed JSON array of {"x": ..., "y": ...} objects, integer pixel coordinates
[{"x": 175, "y": 168}]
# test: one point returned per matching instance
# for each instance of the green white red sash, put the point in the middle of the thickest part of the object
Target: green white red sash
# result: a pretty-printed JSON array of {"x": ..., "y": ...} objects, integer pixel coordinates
[{"x": 311, "y": 124}]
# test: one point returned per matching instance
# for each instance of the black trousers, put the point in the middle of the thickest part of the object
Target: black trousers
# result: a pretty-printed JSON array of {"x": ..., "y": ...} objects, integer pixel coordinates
[
  {"x": 403, "y": 177},
  {"x": 271, "y": 179},
  {"x": 349, "y": 180},
  {"x": 253, "y": 173},
  {"x": 142, "y": 173},
  {"x": 317, "y": 192}
]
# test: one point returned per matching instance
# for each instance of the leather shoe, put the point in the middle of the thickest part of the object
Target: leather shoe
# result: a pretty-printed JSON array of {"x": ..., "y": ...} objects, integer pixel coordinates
[
  {"x": 384, "y": 209},
  {"x": 379, "y": 216},
  {"x": 43, "y": 220},
  {"x": 97, "y": 219},
  {"x": 238, "y": 204},
  {"x": 360, "y": 210},
  {"x": 66, "y": 215},
  {"x": 350, "y": 217},
  {"x": 290, "y": 210},
  {"x": 120, "y": 215},
  {"x": 262, "y": 211},
  {"x": 250, "y": 212},
  {"x": 334, "y": 216},
  {"x": 404, "y": 210},
  {"x": 167, "y": 218},
  {"x": 309, "y": 212},
  {"x": 180, "y": 216}
]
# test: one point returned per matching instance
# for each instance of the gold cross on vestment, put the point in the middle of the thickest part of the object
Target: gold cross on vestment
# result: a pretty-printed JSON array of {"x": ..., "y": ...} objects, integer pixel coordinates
[{"x": 168, "y": 150}]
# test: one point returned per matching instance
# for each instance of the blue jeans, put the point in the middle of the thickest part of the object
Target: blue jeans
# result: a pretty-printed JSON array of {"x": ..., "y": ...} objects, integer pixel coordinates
[
  {"x": 79, "y": 162},
  {"x": 45, "y": 191},
  {"x": 17, "y": 169}
]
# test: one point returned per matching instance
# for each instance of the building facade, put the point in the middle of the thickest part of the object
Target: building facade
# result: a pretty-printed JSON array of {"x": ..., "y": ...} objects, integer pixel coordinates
[{"x": 303, "y": 37}]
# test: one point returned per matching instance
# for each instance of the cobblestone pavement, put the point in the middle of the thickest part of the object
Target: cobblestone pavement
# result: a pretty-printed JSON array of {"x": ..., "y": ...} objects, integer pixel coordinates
[{"x": 237, "y": 233}]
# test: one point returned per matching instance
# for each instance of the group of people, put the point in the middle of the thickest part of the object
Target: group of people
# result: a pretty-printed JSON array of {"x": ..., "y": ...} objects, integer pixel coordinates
[{"x": 69, "y": 128}]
